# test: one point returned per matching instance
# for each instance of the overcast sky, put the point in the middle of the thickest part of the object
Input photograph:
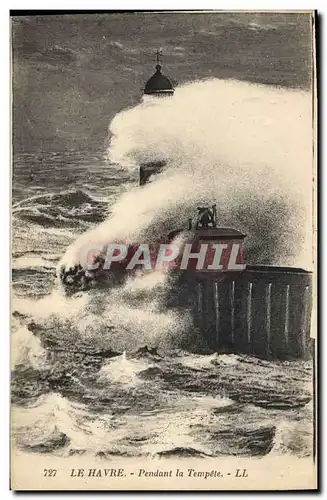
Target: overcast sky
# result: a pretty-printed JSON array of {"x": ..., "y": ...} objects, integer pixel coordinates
[{"x": 73, "y": 73}]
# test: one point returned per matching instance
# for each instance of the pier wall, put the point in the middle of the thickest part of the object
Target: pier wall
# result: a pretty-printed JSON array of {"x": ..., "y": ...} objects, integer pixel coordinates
[{"x": 263, "y": 311}]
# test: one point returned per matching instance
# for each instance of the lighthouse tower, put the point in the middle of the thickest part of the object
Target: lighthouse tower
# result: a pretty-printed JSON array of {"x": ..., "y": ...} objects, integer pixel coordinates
[{"x": 157, "y": 86}]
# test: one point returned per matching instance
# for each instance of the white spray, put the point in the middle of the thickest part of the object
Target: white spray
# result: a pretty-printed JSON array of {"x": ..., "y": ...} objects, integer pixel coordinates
[{"x": 246, "y": 147}]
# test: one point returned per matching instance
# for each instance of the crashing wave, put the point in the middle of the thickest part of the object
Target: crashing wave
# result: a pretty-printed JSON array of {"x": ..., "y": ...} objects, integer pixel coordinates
[{"x": 64, "y": 209}]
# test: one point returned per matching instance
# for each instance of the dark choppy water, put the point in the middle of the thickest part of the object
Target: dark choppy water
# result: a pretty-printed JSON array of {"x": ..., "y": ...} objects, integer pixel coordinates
[{"x": 79, "y": 386}]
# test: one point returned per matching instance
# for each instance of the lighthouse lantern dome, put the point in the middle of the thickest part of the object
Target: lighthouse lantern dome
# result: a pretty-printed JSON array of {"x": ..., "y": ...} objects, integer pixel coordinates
[{"x": 158, "y": 84}]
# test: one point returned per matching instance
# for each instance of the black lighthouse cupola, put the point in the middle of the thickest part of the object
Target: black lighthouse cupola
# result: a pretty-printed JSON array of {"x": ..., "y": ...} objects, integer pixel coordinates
[{"x": 158, "y": 84}]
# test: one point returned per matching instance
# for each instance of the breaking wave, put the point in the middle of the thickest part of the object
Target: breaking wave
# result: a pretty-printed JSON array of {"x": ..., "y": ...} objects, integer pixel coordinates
[
  {"x": 245, "y": 147},
  {"x": 62, "y": 209}
]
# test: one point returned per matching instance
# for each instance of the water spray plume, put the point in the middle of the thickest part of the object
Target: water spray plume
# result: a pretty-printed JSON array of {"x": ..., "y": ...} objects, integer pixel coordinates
[{"x": 245, "y": 147}]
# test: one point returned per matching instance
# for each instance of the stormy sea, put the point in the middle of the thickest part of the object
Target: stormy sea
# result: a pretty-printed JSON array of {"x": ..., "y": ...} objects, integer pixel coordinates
[{"x": 109, "y": 373}]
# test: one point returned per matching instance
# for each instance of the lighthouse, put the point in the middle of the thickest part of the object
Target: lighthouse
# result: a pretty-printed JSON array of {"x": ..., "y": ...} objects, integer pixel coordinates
[{"x": 157, "y": 86}]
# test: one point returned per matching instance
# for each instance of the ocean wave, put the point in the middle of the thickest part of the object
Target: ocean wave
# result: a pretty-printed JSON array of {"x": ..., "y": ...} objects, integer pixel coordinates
[
  {"x": 66, "y": 208},
  {"x": 55, "y": 424},
  {"x": 73, "y": 197},
  {"x": 207, "y": 361},
  {"x": 45, "y": 425},
  {"x": 124, "y": 371},
  {"x": 33, "y": 262},
  {"x": 112, "y": 410},
  {"x": 255, "y": 440},
  {"x": 27, "y": 350},
  {"x": 183, "y": 452},
  {"x": 293, "y": 438}
]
